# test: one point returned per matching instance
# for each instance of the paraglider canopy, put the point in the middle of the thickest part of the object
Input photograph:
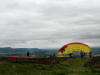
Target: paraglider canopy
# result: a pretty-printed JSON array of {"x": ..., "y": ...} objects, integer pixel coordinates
[{"x": 72, "y": 47}]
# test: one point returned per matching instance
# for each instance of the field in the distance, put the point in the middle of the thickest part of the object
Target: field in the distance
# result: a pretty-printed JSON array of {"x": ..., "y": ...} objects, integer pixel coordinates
[{"x": 71, "y": 66}]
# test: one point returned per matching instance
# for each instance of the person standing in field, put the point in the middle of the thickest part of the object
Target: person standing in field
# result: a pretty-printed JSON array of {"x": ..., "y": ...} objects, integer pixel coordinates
[
  {"x": 90, "y": 54},
  {"x": 70, "y": 55},
  {"x": 28, "y": 54},
  {"x": 82, "y": 54}
]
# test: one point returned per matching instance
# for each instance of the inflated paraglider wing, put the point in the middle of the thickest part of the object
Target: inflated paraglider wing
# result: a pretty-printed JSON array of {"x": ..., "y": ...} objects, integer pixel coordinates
[{"x": 71, "y": 47}]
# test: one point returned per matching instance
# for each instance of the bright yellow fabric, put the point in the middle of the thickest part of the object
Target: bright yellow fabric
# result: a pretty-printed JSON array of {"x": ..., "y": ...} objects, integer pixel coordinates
[{"x": 75, "y": 47}]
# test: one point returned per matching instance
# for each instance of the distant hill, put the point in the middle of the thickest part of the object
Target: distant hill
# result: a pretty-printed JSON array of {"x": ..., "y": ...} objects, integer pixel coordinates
[
  {"x": 7, "y": 51},
  {"x": 22, "y": 51}
]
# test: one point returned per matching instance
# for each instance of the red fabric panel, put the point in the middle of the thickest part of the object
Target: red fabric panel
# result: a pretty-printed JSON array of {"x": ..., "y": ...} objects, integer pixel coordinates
[
  {"x": 0, "y": 57},
  {"x": 24, "y": 57}
]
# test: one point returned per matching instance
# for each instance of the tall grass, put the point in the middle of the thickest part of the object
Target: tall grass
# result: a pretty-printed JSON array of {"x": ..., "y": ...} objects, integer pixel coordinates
[{"x": 72, "y": 66}]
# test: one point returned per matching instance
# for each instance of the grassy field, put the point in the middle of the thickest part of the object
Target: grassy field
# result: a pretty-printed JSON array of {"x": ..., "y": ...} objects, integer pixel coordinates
[{"x": 71, "y": 66}]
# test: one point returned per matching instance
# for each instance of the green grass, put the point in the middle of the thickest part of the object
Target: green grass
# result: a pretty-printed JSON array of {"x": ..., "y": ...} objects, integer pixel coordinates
[{"x": 72, "y": 66}]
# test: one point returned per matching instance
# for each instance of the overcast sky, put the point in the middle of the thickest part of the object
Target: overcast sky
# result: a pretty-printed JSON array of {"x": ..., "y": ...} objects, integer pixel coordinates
[{"x": 49, "y": 23}]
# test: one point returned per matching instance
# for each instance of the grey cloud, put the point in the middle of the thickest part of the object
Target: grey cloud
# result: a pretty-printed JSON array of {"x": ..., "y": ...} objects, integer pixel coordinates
[{"x": 48, "y": 23}]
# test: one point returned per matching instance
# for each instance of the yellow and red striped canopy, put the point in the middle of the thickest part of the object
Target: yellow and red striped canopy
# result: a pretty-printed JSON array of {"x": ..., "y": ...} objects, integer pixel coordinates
[{"x": 71, "y": 47}]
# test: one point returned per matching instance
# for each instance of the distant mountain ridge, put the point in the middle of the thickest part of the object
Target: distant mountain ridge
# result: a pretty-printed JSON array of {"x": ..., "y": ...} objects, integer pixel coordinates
[{"x": 8, "y": 51}]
